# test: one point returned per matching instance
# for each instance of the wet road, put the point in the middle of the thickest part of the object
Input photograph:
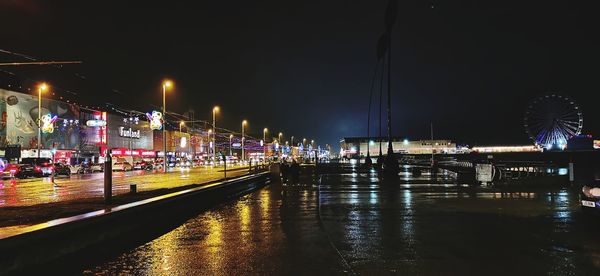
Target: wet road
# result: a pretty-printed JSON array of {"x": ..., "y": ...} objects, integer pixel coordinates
[
  {"x": 355, "y": 224},
  {"x": 32, "y": 191}
]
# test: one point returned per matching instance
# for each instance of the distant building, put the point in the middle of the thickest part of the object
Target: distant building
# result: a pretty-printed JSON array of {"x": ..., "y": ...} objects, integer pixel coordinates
[{"x": 354, "y": 147}]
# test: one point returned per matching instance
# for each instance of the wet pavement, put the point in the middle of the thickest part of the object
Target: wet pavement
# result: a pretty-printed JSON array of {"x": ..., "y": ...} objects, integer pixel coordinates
[
  {"x": 357, "y": 224},
  {"x": 33, "y": 191}
]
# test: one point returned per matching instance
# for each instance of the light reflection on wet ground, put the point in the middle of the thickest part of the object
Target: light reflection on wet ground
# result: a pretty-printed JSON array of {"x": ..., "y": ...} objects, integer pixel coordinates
[{"x": 378, "y": 227}]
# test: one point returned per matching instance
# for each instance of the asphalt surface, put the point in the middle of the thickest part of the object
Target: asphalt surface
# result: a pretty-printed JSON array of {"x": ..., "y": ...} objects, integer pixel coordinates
[
  {"x": 33, "y": 191},
  {"x": 357, "y": 224}
]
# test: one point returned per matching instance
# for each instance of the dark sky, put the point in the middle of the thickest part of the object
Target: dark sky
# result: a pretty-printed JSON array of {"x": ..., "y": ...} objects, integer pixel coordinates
[{"x": 304, "y": 67}]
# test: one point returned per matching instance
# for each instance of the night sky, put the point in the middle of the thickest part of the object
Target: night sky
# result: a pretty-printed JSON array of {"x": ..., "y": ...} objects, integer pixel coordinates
[{"x": 304, "y": 67}]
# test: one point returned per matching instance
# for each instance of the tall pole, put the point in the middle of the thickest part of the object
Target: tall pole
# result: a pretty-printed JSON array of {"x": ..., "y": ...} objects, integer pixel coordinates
[
  {"x": 390, "y": 150},
  {"x": 243, "y": 140},
  {"x": 230, "y": 137},
  {"x": 214, "y": 140},
  {"x": 280, "y": 144},
  {"x": 39, "y": 119},
  {"x": 164, "y": 132},
  {"x": 265, "y": 144}
]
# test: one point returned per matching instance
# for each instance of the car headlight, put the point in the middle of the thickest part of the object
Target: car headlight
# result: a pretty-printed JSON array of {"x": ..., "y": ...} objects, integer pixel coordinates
[{"x": 590, "y": 191}]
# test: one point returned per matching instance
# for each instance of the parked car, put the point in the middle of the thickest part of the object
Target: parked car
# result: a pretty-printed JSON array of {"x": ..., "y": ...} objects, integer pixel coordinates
[
  {"x": 122, "y": 166},
  {"x": 97, "y": 167},
  {"x": 75, "y": 169},
  {"x": 18, "y": 171},
  {"x": 142, "y": 165},
  {"x": 41, "y": 166},
  {"x": 61, "y": 169},
  {"x": 590, "y": 197}
]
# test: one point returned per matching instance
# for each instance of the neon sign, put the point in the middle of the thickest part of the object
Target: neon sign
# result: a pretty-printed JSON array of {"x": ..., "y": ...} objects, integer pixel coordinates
[
  {"x": 183, "y": 142},
  {"x": 48, "y": 123},
  {"x": 156, "y": 120},
  {"x": 96, "y": 123}
]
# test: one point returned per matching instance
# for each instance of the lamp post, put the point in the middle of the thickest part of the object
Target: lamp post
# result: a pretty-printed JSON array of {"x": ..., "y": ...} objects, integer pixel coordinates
[
  {"x": 292, "y": 151},
  {"x": 215, "y": 110},
  {"x": 182, "y": 123},
  {"x": 230, "y": 137},
  {"x": 244, "y": 123},
  {"x": 41, "y": 88},
  {"x": 265, "y": 143},
  {"x": 166, "y": 84},
  {"x": 209, "y": 141}
]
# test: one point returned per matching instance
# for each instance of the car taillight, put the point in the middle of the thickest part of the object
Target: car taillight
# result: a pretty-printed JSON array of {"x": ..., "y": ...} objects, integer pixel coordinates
[{"x": 38, "y": 168}]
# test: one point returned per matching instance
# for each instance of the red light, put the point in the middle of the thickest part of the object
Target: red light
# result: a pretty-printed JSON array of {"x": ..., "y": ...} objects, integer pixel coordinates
[
  {"x": 13, "y": 171},
  {"x": 37, "y": 168}
]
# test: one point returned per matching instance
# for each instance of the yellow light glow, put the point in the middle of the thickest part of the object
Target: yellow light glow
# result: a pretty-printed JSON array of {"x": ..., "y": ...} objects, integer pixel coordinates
[
  {"x": 182, "y": 123},
  {"x": 265, "y": 130},
  {"x": 43, "y": 87},
  {"x": 210, "y": 131},
  {"x": 244, "y": 122},
  {"x": 167, "y": 83},
  {"x": 216, "y": 109},
  {"x": 230, "y": 136}
]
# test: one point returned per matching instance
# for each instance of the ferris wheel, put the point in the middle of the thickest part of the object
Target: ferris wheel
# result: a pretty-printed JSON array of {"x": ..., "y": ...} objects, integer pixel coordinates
[{"x": 551, "y": 120}]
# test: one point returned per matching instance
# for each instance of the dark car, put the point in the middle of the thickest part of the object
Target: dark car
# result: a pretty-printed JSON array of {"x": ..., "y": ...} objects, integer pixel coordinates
[
  {"x": 41, "y": 166},
  {"x": 18, "y": 171},
  {"x": 61, "y": 169},
  {"x": 590, "y": 197}
]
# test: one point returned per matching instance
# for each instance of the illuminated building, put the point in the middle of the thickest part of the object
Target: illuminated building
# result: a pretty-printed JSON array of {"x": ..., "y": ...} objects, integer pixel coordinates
[{"x": 353, "y": 147}]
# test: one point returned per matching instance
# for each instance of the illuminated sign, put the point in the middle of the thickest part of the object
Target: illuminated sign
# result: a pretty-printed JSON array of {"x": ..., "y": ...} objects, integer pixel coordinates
[
  {"x": 129, "y": 133},
  {"x": 236, "y": 145},
  {"x": 96, "y": 123},
  {"x": 127, "y": 152},
  {"x": 48, "y": 123},
  {"x": 156, "y": 120},
  {"x": 183, "y": 142}
]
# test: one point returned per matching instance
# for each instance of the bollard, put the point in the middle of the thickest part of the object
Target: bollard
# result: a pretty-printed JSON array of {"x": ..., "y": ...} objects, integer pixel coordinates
[
  {"x": 108, "y": 179},
  {"x": 133, "y": 189}
]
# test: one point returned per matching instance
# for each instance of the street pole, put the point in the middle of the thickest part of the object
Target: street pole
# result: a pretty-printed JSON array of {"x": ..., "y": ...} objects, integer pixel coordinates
[
  {"x": 214, "y": 140},
  {"x": 243, "y": 139},
  {"x": 165, "y": 84},
  {"x": 41, "y": 88},
  {"x": 230, "y": 137},
  {"x": 265, "y": 144}
]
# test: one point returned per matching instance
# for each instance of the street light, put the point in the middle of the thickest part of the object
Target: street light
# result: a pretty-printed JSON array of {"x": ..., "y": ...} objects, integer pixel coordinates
[
  {"x": 230, "y": 137},
  {"x": 215, "y": 110},
  {"x": 166, "y": 84},
  {"x": 209, "y": 141},
  {"x": 244, "y": 123},
  {"x": 41, "y": 88},
  {"x": 265, "y": 143},
  {"x": 182, "y": 123}
]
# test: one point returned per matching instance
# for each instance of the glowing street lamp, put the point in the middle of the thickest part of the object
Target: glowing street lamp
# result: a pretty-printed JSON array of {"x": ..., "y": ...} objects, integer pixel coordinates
[
  {"x": 41, "y": 88},
  {"x": 181, "y": 124},
  {"x": 265, "y": 143},
  {"x": 166, "y": 84},
  {"x": 215, "y": 110},
  {"x": 244, "y": 123}
]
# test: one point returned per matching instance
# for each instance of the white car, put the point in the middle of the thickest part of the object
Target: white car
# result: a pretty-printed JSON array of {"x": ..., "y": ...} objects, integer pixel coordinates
[
  {"x": 122, "y": 166},
  {"x": 97, "y": 167},
  {"x": 75, "y": 169}
]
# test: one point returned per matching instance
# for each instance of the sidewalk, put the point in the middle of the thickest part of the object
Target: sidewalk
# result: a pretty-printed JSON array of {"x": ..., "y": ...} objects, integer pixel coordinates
[{"x": 37, "y": 201}]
